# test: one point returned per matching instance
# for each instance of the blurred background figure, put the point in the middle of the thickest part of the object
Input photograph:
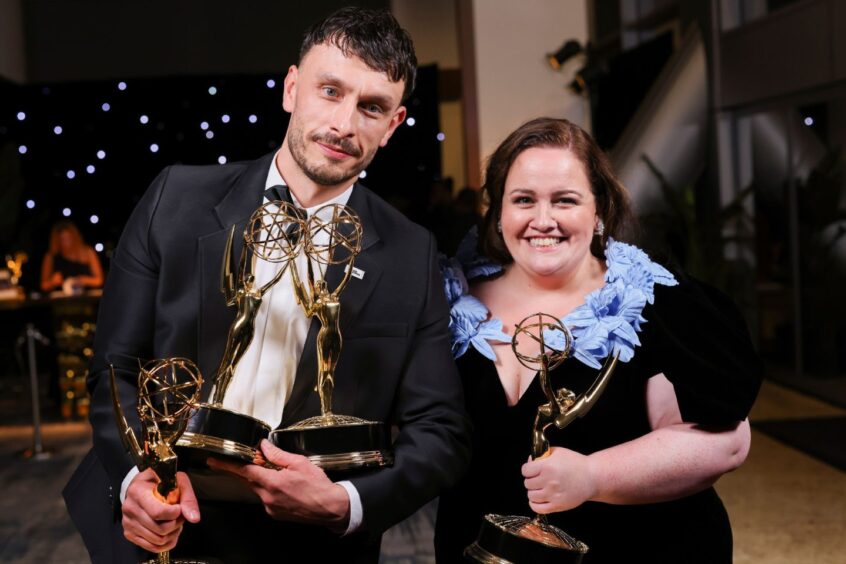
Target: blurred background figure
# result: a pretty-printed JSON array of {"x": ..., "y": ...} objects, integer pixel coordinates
[
  {"x": 69, "y": 265},
  {"x": 71, "y": 268}
]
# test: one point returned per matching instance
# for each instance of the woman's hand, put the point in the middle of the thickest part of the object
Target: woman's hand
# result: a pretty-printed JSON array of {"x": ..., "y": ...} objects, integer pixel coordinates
[{"x": 560, "y": 480}]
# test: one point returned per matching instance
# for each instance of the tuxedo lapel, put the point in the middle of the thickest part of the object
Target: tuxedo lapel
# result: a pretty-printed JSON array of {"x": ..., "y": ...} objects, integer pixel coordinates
[
  {"x": 234, "y": 209},
  {"x": 304, "y": 401}
]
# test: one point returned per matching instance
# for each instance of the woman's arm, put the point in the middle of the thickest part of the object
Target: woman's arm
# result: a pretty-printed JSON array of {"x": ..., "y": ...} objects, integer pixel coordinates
[
  {"x": 676, "y": 459},
  {"x": 95, "y": 279},
  {"x": 49, "y": 279}
]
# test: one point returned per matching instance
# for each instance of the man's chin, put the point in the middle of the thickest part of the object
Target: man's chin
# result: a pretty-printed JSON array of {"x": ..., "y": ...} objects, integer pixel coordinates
[{"x": 331, "y": 178}]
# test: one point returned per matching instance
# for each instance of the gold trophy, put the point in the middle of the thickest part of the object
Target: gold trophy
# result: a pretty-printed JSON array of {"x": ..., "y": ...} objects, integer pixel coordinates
[
  {"x": 273, "y": 234},
  {"x": 329, "y": 440},
  {"x": 167, "y": 391},
  {"x": 517, "y": 539}
]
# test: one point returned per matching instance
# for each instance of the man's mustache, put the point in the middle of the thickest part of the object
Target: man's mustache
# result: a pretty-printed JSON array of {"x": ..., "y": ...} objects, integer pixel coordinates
[{"x": 343, "y": 144}]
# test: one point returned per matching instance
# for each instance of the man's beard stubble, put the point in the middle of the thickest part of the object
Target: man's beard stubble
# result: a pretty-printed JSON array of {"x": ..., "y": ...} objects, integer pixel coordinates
[{"x": 325, "y": 175}]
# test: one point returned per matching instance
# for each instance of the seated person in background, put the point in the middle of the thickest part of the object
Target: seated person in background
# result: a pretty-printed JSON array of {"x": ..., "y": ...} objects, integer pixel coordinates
[{"x": 69, "y": 262}]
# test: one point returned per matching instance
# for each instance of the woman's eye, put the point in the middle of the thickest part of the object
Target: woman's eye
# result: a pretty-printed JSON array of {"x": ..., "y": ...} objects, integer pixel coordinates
[{"x": 522, "y": 200}]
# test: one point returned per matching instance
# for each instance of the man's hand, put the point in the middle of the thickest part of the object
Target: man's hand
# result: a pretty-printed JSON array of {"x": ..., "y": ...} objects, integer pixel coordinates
[
  {"x": 151, "y": 523},
  {"x": 298, "y": 491},
  {"x": 560, "y": 480}
]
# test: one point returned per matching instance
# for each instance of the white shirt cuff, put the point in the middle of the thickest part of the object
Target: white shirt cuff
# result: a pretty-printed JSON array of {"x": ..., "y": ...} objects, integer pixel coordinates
[
  {"x": 356, "y": 511},
  {"x": 126, "y": 481}
]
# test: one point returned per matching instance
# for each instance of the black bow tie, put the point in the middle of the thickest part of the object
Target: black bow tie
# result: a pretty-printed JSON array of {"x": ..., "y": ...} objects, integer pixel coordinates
[{"x": 278, "y": 193}]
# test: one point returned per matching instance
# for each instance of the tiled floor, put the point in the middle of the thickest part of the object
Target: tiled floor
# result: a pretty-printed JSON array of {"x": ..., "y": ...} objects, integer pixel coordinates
[{"x": 786, "y": 507}]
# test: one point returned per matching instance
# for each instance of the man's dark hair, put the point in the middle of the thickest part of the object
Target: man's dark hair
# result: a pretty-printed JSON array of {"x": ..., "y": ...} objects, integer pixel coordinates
[{"x": 374, "y": 36}]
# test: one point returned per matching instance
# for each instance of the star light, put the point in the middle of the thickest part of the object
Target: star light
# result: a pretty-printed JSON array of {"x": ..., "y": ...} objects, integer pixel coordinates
[
  {"x": 22, "y": 149},
  {"x": 204, "y": 125},
  {"x": 30, "y": 204},
  {"x": 271, "y": 83},
  {"x": 90, "y": 169},
  {"x": 57, "y": 130},
  {"x": 94, "y": 219},
  {"x": 98, "y": 247},
  {"x": 441, "y": 136},
  {"x": 209, "y": 134},
  {"x": 106, "y": 107},
  {"x": 21, "y": 116},
  {"x": 252, "y": 118},
  {"x": 101, "y": 154},
  {"x": 212, "y": 90},
  {"x": 362, "y": 174},
  {"x": 66, "y": 212},
  {"x": 144, "y": 119},
  {"x": 121, "y": 86},
  {"x": 411, "y": 121},
  {"x": 809, "y": 121},
  {"x": 224, "y": 118},
  {"x": 154, "y": 148},
  {"x": 70, "y": 174},
  {"x": 221, "y": 159}
]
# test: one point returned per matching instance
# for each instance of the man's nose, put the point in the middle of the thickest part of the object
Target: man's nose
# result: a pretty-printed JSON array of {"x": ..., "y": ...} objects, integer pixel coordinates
[{"x": 343, "y": 118}]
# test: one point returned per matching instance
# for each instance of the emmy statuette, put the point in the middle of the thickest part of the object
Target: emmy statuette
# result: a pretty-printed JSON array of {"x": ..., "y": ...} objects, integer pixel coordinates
[
  {"x": 273, "y": 234},
  {"x": 517, "y": 539},
  {"x": 167, "y": 391},
  {"x": 333, "y": 442}
]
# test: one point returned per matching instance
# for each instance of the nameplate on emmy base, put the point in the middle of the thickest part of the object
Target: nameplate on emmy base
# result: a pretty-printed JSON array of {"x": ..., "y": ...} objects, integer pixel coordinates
[
  {"x": 523, "y": 540},
  {"x": 332, "y": 238},
  {"x": 168, "y": 390}
]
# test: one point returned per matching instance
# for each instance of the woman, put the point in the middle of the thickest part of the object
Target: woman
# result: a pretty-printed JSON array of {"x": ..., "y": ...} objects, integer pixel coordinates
[
  {"x": 632, "y": 479},
  {"x": 69, "y": 263}
]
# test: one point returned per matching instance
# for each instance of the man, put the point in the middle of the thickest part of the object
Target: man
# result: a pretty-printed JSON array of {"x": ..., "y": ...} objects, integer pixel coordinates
[{"x": 162, "y": 299}]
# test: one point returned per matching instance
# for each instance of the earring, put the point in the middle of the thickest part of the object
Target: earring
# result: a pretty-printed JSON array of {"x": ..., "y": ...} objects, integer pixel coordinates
[
  {"x": 499, "y": 226},
  {"x": 600, "y": 227}
]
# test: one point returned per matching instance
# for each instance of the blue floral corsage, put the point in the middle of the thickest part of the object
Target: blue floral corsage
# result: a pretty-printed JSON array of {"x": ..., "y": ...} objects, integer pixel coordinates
[{"x": 607, "y": 323}]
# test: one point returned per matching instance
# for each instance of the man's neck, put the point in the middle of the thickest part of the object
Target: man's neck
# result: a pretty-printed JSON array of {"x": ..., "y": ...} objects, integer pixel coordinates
[{"x": 307, "y": 192}]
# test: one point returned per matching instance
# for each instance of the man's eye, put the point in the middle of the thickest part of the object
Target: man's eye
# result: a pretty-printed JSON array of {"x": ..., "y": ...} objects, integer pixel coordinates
[
  {"x": 329, "y": 91},
  {"x": 373, "y": 108}
]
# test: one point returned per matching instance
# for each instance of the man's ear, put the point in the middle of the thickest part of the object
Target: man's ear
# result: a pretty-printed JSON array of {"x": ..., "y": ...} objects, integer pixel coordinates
[
  {"x": 289, "y": 93},
  {"x": 396, "y": 120}
]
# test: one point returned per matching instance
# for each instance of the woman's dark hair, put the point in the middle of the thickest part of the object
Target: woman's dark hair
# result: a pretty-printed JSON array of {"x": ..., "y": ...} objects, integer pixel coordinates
[
  {"x": 374, "y": 36},
  {"x": 612, "y": 201}
]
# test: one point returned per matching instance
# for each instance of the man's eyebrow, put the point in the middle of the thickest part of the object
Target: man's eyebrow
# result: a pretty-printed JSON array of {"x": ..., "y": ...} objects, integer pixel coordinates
[{"x": 330, "y": 78}]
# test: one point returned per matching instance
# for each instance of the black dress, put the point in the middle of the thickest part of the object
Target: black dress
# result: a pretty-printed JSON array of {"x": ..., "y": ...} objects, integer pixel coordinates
[
  {"x": 70, "y": 268},
  {"x": 697, "y": 338}
]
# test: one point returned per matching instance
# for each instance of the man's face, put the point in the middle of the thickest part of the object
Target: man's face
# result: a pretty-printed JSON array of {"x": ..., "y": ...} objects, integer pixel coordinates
[{"x": 342, "y": 111}]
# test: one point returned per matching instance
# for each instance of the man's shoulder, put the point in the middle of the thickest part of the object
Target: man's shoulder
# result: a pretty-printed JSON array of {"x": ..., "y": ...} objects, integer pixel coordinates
[
  {"x": 389, "y": 219},
  {"x": 209, "y": 174}
]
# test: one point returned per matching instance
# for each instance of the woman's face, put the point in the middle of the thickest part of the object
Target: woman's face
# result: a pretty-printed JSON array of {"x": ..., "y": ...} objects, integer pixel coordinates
[
  {"x": 66, "y": 242},
  {"x": 548, "y": 212}
]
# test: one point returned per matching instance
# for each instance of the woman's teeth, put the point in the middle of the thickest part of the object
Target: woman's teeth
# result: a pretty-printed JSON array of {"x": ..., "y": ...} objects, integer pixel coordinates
[{"x": 544, "y": 242}]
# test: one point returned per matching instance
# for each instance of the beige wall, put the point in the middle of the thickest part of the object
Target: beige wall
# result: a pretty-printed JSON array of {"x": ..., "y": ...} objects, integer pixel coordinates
[
  {"x": 12, "y": 60},
  {"x": 514, "y": 81}
]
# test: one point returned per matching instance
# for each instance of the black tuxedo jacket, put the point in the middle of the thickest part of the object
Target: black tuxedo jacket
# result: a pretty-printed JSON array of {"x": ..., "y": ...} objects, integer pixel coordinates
[{"x": 163, "y": 299}]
